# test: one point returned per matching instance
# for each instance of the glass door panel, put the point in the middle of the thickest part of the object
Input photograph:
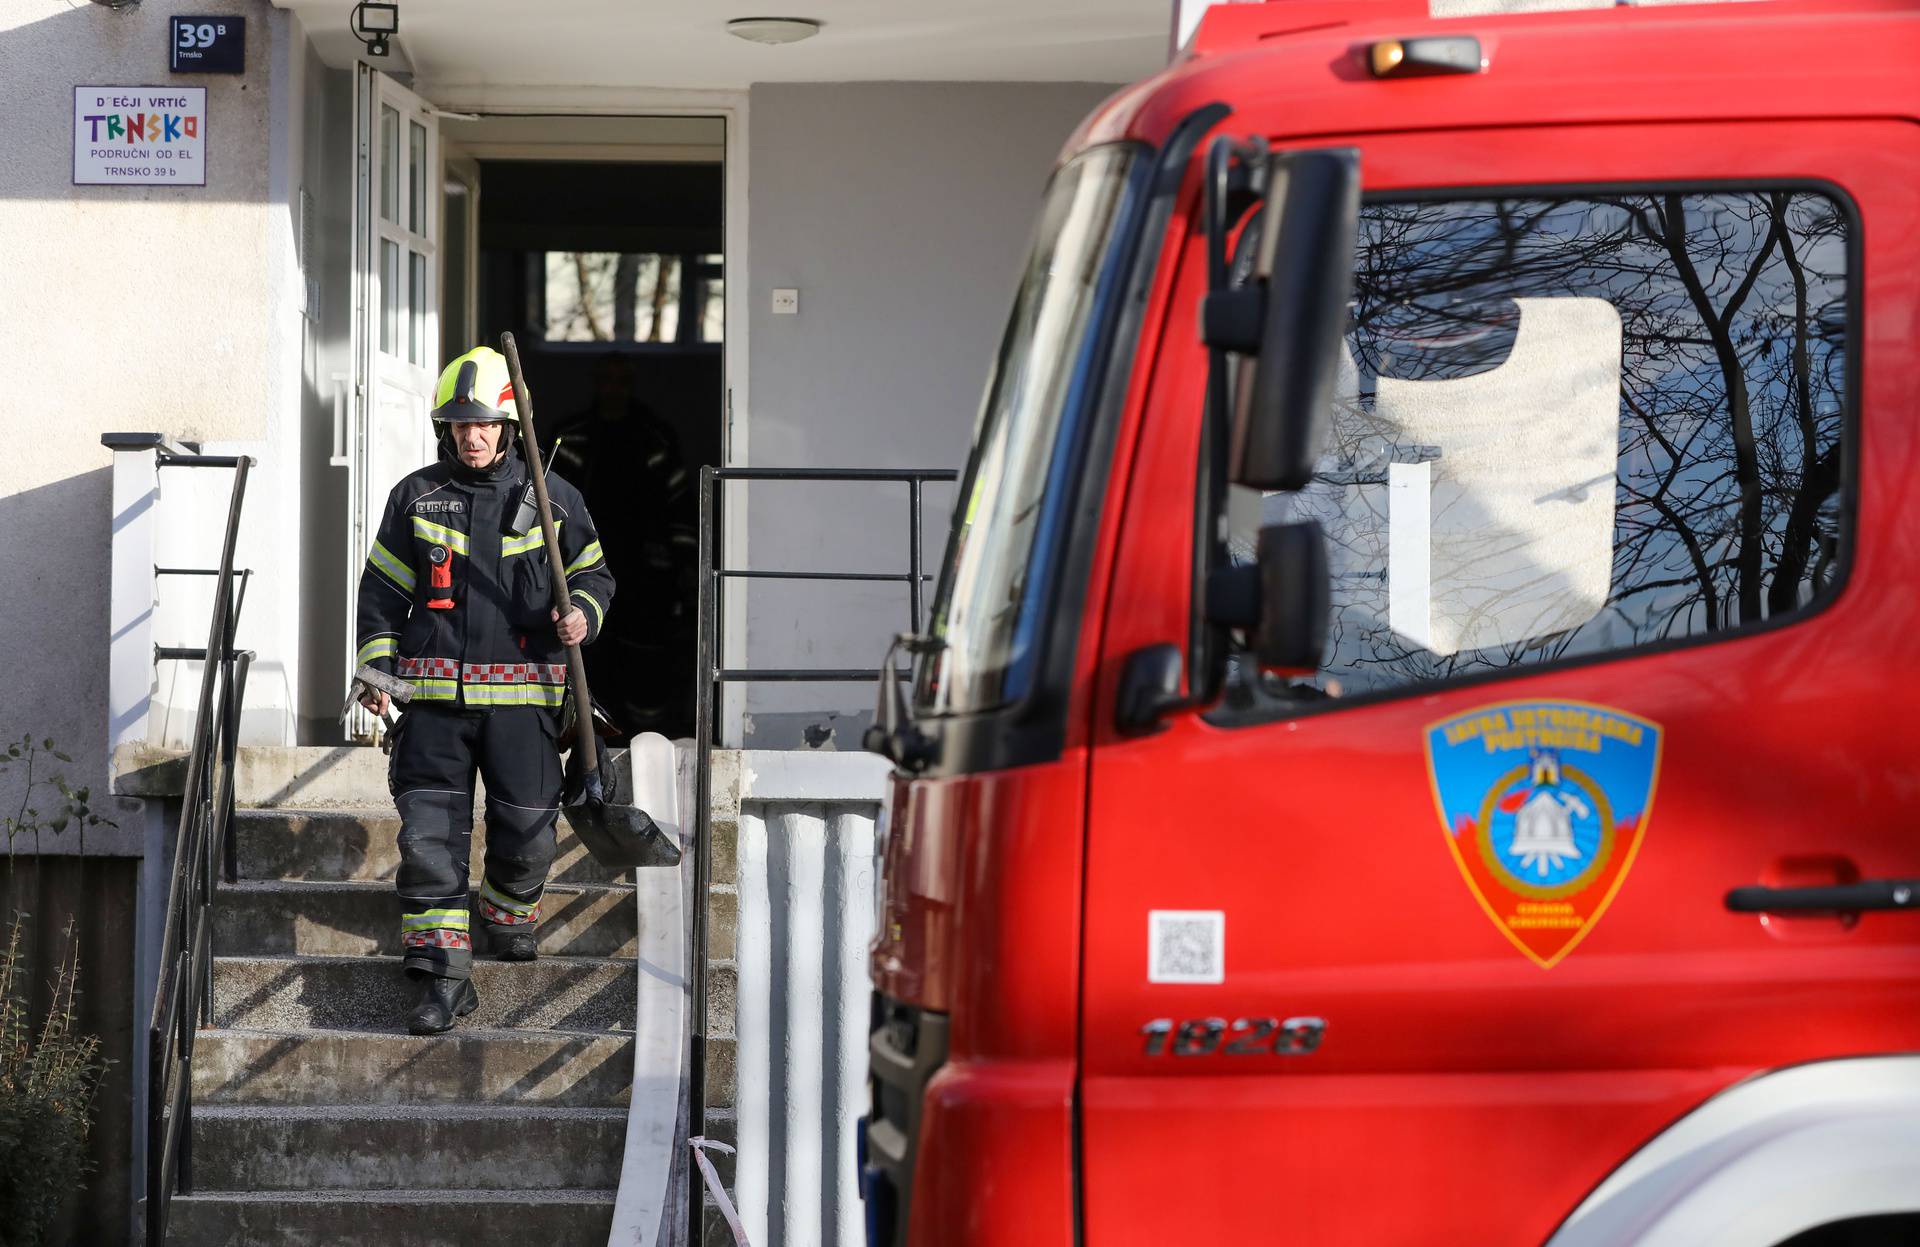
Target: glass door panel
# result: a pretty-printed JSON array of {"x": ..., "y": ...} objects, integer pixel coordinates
[{"x": 389, "y": 164}]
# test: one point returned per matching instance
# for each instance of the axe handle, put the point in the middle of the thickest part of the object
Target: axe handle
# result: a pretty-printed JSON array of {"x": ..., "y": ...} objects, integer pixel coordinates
[{"x": 576, "y": 665}]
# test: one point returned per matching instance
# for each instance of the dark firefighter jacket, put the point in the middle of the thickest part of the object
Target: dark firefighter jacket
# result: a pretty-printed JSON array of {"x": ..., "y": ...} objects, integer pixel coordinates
[{"x": 455, "y": 598}]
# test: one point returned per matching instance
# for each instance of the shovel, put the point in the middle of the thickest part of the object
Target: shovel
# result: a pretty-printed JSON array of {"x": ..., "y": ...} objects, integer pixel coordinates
[{"x": 617, "y": 835}]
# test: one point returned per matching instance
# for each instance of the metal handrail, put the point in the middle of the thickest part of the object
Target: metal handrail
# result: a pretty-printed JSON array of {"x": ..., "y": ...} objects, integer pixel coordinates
[
  {"x": 183, "y": 995},
  {"x": 710, "y": 678}
]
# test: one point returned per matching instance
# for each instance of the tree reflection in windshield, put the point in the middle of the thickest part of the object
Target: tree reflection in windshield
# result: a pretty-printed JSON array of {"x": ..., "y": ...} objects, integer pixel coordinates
[{"x": 1575, "y": 425}]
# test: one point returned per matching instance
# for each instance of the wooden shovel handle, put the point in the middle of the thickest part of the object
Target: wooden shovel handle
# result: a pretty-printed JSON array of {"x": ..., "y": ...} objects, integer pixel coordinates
[{"x": 576, "y": 665}]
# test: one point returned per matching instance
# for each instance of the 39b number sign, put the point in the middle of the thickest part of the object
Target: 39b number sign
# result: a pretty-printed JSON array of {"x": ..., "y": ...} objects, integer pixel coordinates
[{"x": 210, "y": 44}]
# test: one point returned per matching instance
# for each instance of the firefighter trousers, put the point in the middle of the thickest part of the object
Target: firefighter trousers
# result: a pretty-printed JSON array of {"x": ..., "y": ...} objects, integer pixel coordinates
[{"x": 436, "y": 753}]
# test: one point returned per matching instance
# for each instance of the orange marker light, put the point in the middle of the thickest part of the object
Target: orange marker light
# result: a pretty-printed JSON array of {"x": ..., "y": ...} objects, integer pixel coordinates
[{"x": 1420, "y": 58}]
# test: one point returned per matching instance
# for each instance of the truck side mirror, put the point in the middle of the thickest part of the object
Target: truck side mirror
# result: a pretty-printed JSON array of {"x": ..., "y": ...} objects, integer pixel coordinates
[
  {"x": 1295, "y": 308},
  {"x": 1282, "y": 601}
]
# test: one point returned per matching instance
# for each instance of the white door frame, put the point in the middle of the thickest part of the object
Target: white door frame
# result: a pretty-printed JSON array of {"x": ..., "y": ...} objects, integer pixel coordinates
[
  {"x": 730, "y": 106},
  {"x": 409, "y": 368},
  {"x": 456, "y": 163}
]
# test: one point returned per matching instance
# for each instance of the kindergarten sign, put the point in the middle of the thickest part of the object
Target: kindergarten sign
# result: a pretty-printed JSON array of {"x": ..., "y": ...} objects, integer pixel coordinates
[{"x": 139, "y": 136}]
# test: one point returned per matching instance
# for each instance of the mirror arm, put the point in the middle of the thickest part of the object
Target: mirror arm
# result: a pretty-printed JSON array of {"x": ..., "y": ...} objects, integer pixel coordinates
[
  {"x": 1281, "y": 602},
  {"x": 893, "y": 734},
  {"x": 1150, "y": 688},
  {"x": 1236, "y": 174},
  {"x": 1232, "y": 321},
  {"x": 1150, "y": 682}
]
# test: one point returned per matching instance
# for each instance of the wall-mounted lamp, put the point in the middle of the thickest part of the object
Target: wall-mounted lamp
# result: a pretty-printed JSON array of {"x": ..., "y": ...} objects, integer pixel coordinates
[
  {"x": 373, "y": 24},
  {"x": 773, "y": 29}
]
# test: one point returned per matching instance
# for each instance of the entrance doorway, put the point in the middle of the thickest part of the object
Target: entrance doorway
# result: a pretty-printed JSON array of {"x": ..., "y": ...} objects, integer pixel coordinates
[{"x": 609, "y": 267}]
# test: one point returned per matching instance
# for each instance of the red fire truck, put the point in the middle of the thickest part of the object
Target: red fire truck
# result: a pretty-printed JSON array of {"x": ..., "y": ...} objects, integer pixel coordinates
[{"x": 1413, "y": 744}]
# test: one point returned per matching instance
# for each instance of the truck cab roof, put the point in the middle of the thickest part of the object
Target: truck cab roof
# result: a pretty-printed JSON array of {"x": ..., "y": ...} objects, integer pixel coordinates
[{"x": 1300, "y": 68}]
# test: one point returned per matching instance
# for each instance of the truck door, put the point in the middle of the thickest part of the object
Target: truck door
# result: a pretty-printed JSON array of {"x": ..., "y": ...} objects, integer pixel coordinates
[{"x": 1619, "y": 518}]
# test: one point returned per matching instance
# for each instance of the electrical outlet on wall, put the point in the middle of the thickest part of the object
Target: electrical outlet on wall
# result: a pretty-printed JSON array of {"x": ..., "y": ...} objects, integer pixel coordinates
[{"x": 786, "y": 302}]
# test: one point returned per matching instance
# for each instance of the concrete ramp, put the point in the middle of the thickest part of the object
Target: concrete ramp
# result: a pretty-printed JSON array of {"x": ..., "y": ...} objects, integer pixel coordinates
[{"x": 649, "y": 1208}]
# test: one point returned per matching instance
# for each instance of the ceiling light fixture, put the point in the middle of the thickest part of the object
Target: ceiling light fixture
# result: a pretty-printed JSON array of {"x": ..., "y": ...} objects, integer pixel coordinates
[{"x": 773, "y": 29}]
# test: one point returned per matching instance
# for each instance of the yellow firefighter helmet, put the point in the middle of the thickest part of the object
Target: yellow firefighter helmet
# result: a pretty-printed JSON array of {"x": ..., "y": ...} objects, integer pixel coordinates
[{"x": 475, "y": 389}]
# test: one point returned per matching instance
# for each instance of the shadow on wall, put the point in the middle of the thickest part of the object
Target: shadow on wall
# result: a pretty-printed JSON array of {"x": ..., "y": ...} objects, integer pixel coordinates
[
  {"x": 54, "y": 576},
  {"x": 326, "y": 581},
  {"x": 327, "y": 584}
]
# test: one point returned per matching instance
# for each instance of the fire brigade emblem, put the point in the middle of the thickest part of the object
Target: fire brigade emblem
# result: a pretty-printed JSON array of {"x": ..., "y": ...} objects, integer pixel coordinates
[{"x": 1544, "y": 805}]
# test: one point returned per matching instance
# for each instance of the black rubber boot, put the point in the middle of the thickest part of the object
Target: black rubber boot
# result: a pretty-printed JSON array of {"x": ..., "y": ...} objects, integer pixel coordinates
[
  {"x": 520, "y": 946},
  {"x": 441, "y": 1001}
]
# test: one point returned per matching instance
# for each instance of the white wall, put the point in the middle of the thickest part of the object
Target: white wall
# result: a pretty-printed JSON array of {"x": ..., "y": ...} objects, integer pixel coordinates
[
  {"x": 901, "y": 212},
  {"x": 169, "y": 309}
]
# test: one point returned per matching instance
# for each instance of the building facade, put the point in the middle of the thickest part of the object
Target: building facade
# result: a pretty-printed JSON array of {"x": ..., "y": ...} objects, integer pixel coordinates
[{"x": 280, "y": 276}]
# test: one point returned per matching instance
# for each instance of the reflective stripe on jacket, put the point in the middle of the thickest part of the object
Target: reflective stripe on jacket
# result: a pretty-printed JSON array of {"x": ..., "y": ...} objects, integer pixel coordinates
[{"x": 484, "y": 636}]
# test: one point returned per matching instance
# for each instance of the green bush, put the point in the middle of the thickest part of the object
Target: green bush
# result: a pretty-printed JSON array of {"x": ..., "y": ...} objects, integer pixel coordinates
[{"x": 47, "y": 1085}]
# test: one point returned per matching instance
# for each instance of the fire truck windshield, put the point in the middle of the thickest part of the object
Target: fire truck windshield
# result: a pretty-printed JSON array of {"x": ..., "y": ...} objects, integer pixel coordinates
[{"x": 1016, "y": 493}]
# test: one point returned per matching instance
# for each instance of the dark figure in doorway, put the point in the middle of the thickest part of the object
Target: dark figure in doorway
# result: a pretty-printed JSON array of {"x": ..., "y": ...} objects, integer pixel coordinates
[{"x": 642, "y": 492}]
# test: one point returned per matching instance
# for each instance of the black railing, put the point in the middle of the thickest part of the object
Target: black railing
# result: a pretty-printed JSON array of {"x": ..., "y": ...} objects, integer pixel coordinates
[
  {"x": 183, "y": 996},
  {"x": 710, "y": 678}
]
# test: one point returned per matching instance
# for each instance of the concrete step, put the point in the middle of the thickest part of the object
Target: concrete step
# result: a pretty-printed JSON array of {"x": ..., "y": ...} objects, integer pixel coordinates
[
  {"x": 467, "y": 1066},
  {"x": 348, "y": 919},
  {"x": 314, "y": 775},
  {"x": 341, "y": 845},
  {"x": 311, "y": 776},
  {"x": 498, "y": 1147},
  {"x": 371, "y": 993},
  {"x": 449, "y": 1217}
]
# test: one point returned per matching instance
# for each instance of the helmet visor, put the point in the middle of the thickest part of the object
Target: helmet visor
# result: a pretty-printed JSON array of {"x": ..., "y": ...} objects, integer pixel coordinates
[{"x": 466, "y": 411}]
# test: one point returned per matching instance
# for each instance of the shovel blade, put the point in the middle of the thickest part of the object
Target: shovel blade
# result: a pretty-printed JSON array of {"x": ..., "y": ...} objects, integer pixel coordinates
[{"x": 620, "y": 835}]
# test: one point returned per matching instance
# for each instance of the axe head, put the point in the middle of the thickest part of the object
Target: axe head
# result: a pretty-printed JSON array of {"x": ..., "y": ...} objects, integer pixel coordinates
[{"x": 380, "y": 682}]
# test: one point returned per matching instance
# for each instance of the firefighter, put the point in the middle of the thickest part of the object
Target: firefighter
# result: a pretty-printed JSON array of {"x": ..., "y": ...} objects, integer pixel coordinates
[{"x": 456, "y": 599}]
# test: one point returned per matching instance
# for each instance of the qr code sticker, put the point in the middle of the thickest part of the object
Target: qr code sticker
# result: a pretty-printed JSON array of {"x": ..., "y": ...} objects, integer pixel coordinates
[{"x": 1186, "y": 946}]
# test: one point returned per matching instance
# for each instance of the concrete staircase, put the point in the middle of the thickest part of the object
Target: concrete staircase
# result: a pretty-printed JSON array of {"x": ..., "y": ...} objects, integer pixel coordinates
[{"x": 318, "y": 1119}]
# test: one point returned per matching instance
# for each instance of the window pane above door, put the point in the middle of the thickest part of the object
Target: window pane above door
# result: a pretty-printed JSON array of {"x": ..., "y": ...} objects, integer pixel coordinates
[{"x": 635, "y": 297}]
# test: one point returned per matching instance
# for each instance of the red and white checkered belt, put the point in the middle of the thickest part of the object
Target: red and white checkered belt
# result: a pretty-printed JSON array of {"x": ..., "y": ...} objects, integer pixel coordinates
[
  {"x": 429, "y": 668},
  {"x": 513, "y": 673}
]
